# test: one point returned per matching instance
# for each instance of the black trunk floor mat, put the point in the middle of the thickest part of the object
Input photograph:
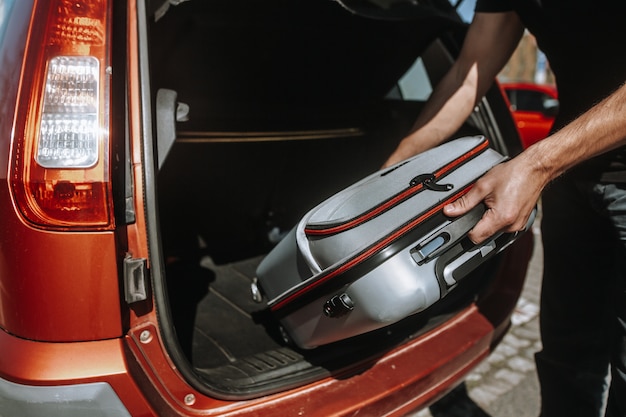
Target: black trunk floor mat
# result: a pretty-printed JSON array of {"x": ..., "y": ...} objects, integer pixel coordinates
[{"x": 229, "y": 324}]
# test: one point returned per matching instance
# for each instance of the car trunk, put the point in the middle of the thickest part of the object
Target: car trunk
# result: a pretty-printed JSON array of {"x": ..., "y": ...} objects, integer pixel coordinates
[{"x": 289, "y": 102}]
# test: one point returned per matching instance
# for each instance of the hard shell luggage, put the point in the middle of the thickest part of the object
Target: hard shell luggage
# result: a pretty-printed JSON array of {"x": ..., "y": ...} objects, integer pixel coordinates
[{"x": 381, "y": 249}]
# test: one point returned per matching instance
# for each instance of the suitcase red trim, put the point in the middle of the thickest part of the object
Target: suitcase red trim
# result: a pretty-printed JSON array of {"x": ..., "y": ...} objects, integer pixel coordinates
[{"x": 417, "y": 185}]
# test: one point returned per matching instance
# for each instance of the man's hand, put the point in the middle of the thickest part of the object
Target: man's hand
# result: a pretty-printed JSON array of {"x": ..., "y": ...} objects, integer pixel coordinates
[{"x": 509, "y": 190}]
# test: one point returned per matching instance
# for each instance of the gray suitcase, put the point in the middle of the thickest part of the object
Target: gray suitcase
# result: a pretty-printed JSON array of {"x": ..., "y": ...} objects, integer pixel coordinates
[{"x": 381, "y": 249}]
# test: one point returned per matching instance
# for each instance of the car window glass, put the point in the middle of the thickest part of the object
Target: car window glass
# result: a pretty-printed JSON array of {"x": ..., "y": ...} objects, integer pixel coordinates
[
  {"x": 465, "y": 8},
  {"x": 415, "y": 83},
  {"x": 5, "y": 8}
]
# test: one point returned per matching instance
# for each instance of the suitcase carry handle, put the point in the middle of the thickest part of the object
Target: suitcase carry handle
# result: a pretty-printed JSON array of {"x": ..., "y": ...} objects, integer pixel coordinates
[
  {"x": 467, "y": 261},
  {"x": 459, "y": 262}
]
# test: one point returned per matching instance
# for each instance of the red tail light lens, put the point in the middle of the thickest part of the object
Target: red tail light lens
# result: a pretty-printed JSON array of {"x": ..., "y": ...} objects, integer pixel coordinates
[{"x": 60, "y": 162}]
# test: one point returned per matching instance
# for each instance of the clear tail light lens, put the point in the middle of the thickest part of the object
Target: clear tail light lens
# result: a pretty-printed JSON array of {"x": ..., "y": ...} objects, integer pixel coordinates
[
  {"x": 60, "y": 163},
  {"x": 69, "y": 129}
]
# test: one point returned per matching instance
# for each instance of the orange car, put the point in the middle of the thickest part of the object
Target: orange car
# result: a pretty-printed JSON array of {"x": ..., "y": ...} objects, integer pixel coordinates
[
  {"x": 152, "y": 154},
  {"x": 534, "y": 107}
]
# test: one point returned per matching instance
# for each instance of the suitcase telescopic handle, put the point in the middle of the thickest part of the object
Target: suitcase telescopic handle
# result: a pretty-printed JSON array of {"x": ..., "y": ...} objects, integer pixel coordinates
[{"x": 447, "y": 236}]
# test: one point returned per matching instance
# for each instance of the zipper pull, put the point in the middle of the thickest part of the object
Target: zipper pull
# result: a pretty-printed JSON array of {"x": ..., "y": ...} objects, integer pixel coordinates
[{"x": 429, "y": 181}]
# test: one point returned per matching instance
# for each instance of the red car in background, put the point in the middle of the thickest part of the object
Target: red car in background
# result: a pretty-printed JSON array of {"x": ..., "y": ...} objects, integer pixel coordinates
[{"x": 534, "y": 107}]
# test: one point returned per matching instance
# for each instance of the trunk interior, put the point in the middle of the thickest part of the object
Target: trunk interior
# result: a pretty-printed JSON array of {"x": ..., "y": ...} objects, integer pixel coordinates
[{"x": 289, "y": 102}]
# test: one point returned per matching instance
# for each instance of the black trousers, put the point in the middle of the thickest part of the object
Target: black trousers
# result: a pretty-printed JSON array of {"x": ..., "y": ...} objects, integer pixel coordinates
[{"x": 583, "y": 301}]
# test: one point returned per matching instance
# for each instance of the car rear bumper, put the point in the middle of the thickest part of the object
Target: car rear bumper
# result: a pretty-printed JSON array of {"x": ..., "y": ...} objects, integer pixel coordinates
[
  {"x": 60, "y": 401},
  {"x": 67, "y": 379},
  {"x": 409, "y": 377}
]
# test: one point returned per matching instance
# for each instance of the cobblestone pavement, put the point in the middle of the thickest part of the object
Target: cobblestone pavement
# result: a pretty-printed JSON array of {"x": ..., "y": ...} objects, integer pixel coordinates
[{"x": 505, "y": 384}]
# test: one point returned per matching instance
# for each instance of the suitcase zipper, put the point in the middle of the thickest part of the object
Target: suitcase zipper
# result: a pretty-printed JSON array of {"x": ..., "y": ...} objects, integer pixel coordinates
[
  {"x": 428, "y": 181},
  {"x": 416, "y": 185}
]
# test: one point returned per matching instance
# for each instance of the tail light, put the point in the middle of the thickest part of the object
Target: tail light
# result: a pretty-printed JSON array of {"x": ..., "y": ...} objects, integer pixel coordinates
[{"x": 60, "y": 154}]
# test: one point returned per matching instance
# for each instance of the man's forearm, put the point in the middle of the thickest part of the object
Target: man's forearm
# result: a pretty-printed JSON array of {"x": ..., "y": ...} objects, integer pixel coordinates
[
  {"x": 446, "y": 110},
  {"x": 450, "y": 105},
  {"x": 597, "y": 131},
  {"x": 490, "y": 41}
]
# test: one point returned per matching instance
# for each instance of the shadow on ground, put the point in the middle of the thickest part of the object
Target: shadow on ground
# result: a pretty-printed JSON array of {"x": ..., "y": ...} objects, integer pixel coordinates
[{"x": 457, "y": 404}]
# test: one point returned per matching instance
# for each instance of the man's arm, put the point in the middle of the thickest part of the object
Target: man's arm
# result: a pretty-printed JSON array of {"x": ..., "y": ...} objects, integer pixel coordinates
[
  {"x": 490, "y": 42},
  {"x": 510, "y": 190}
]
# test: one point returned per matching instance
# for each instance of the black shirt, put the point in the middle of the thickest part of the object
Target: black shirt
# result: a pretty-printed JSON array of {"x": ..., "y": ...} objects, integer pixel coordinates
[{"x": 585, "y": 43}]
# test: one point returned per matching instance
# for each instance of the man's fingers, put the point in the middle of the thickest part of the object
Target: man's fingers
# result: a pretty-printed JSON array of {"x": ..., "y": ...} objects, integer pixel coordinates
[
  {"x": 493, "y": 220},
  {"x": 464, "y": 204},
  {"x": 485, "y": 228},
  {"x": 508, "y": 196}
]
